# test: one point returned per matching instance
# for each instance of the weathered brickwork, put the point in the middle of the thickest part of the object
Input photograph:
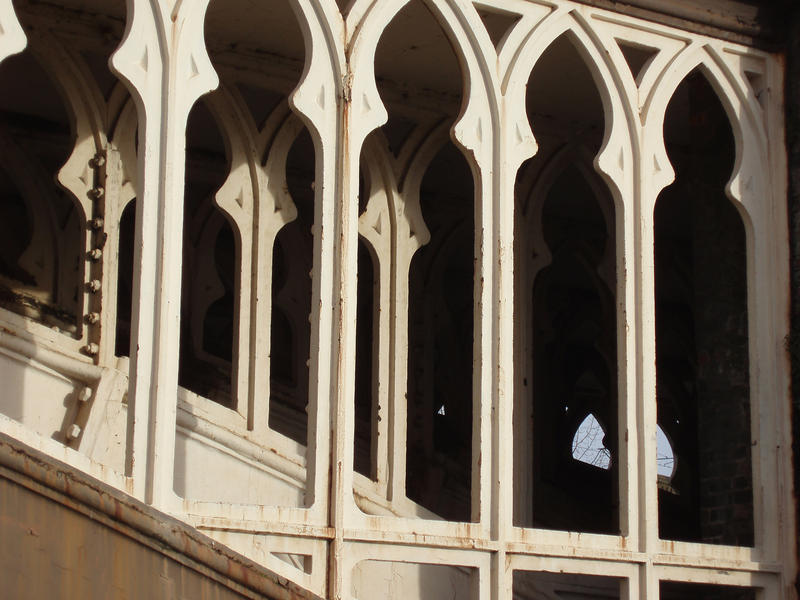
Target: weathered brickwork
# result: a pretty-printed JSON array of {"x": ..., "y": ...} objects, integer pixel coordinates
[{"x": 793, "y": 150}]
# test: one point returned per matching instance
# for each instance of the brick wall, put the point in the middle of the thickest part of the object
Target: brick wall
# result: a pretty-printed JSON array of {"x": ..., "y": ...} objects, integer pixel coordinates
[{"x": 793, "y": 148}]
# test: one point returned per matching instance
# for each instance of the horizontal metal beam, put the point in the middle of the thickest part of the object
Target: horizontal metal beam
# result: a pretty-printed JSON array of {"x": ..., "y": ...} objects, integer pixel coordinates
[{"x": 752, "y": 23}]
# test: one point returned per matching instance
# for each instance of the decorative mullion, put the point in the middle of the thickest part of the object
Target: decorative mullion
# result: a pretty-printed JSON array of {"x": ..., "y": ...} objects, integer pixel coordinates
[
  {"x": 274, "y": 208},
  {"x": 410, "y": 235},
  {"x": 110, "y": 224},
  {"x": 654, "y": 173},
  {"x": 12, "y": 36},
  {"x": 321, "y": 101},
  {"x": 163, "y": 61},
  {"x": 318, "y": 100},
  {"x": 377, "y": 226},
  {"x": 120, "y": 167},
  {"x": 776, "y": 188},
  {"x": 236, "y": 198}
]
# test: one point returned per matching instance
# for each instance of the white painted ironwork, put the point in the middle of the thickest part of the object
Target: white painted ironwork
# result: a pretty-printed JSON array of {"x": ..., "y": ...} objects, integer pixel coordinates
[{"x": 300, "y": 509}]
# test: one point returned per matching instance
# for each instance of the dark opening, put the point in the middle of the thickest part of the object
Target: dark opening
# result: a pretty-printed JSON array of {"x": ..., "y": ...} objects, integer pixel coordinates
[
  {"x": 702, "y": 363},
  {"x": 420, "y": 82},
  {"x": 440, "y": 402},
  {"x": 569, "y": 586},
  {"x": 574, "y": 366},
  {"x": 283, "y": 359},
  {"x": 638, "y": 57},
  {"x": 366, "y": 347},
  {"x": 670, "y": 590},
  {"x": 17, "y": 231},
  {"x": 566, "y": 414},
  {"x": 125, "y": 279},
  {"x": 41, "y": 226},
  {"x": 291, "y": 299},
  {"x": 498, "y": 23},
  {"x": 209, "y": 266},
  {"x": 218, "y": 322}
]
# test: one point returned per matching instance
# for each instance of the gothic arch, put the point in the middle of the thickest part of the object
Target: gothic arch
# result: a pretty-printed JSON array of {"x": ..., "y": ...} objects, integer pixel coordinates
[
  {"x": 615, "y": 160},
  {"x": 472, "y": 133},
  {"x": 745, "y": 186},
  {"x": 537, "y": 185}
]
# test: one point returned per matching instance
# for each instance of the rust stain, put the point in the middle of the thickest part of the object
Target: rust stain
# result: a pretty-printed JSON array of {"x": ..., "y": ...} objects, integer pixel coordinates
[{"x": 129, "y": 517}]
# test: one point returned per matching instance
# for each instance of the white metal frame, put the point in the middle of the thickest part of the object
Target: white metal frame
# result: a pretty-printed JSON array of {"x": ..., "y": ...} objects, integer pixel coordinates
[{"x": 165, "y": 67}]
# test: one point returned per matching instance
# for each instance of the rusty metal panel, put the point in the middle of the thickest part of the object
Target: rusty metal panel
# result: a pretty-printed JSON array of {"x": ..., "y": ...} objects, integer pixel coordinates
[{"x": 50, "y": 551}]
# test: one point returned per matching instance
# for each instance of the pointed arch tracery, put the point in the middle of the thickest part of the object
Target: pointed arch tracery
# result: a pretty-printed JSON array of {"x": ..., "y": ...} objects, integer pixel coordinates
[
  {"x": 569, "y": 282},
  {"x": 256, "y": 198},
  {"x": 615, "y": 159},
  {"x": 471, "y": 50},
  {"x": 745, "y": 185},
  {"x": 394, "y": 214},
  {"x": 335, "y": 103}
]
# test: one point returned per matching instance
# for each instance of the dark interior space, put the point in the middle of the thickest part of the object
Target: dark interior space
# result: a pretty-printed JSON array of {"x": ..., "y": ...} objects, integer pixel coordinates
[
  {"x": 566, "y": 309},
  {"x": 702, "y": 360}
]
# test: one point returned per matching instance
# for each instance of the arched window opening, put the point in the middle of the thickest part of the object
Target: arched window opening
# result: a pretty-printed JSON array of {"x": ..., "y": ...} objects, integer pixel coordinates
[
  {"x": 249, "y": 264},
  {"x": 440, "y": 403},
  {"x": 291, "y": 297},
  {"x": 41, "y": 225},
  {"x": 366, "y": 409},
  {"x": 367, "y": 418},
  {"x": 702, "y": 360},
  {"x": 209, "y": 266},
  {"x": 238, "y": 38},
  {"x": 55, "y": 267},
  {"x": 566, "y": 346},
  {"x": 125, "y": 279},
  {"x": 429, "y": 289}
]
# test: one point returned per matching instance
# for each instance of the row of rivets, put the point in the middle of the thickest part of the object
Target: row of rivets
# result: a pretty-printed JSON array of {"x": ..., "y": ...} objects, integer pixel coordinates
[{"x": 97, "y": 193}]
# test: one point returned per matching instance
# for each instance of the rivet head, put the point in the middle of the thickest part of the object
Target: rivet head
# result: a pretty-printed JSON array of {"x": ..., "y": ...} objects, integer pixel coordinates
[
  {"x": 92, "y": 318},
  {"x": 98, "y": 161},
  {"x": 97, "y": 192},
  {"x": 85, "y": 394},
  {"x": 94, "y": 285},
  {"x": 96, "y": 223},
  {"x": 74, "y": 431},
  {"x": 92, "y": 349},
  {"x": 95, "y": 254}
]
